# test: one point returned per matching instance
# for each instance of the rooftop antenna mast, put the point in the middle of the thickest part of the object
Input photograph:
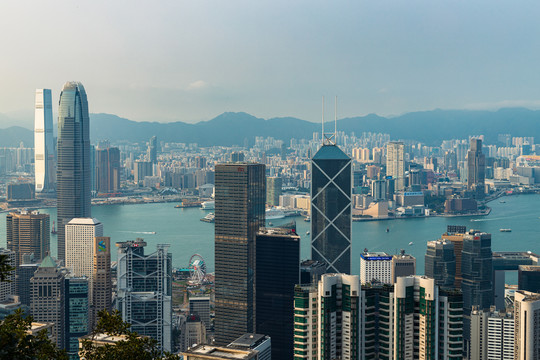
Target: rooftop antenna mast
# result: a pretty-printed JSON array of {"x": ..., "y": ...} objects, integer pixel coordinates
[{"x": 329, "y": 138}]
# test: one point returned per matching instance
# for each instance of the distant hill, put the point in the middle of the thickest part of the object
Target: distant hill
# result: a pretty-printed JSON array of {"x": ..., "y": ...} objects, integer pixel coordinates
[
  {"x": 227, "y": 129},
  {"x": 12, "y": 137}
]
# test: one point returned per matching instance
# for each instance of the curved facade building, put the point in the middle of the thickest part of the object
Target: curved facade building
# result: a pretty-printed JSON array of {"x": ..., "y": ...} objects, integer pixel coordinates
[
  {"x": 331, "y": 209},
  {"x": 73, "y": 170},
  {"x": 44, "y": 142}
]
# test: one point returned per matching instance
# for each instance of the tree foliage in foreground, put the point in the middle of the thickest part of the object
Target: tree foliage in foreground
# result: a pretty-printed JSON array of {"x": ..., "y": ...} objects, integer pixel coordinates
[
  {"x": 5, "y": 268},
  {"x": 135, "y": 347},
  {"x": 17, "y": 344}
]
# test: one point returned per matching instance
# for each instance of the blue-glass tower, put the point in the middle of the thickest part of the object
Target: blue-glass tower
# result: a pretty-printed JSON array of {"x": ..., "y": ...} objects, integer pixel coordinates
[
  {"x": 331, "y": 208},
  {"x": 76, "y": 313},
  {"x": 73, "y": 176}
]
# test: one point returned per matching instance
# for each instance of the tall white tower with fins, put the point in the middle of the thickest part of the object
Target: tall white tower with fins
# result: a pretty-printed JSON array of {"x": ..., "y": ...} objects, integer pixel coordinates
[{"x": 45, "y": 176}]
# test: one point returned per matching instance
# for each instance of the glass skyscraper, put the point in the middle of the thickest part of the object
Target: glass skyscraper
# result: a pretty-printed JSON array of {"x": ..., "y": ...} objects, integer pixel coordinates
[
  {"x": 73, "y": 174},
  {"x": 240, "y": 195},
  {"x": 477, "y": 271},
  {"x": 331, "y": 209},
  {"x": 76, "y": 313},
  {"x": 45, "y": 177},
  {"x": 440, "y": 263},
  {"x": 144, "y": 289},
  {"x": 278, "y": 271}
]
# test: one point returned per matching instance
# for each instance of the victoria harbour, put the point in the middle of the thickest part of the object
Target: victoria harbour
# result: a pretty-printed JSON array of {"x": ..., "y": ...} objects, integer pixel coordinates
[{"x": 161, "y": 223}]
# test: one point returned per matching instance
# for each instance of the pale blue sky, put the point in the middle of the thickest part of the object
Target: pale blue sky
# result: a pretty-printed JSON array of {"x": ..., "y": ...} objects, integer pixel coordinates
[{"x": 192, "y": 60}]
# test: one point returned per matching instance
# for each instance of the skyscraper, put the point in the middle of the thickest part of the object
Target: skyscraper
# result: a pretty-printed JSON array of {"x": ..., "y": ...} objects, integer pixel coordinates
[
  {"x": 107, "y": 170},
  {"x": 152, "y": 150},
  {"x": 278, "y": 271},
  {"x": 28, "y": 232},
  {"x": 76, "y": 313},
  {"x": 395, "y": 163},
  {"x": 477, "y": 272},
  {"x": 79, "y": 257},
  {"x": 73, "y": 174},
  {"x": 240, "y": 195},
  {"x": 527, "y": 326},
  {"x": 529, "y": 278},
  {"x": 440, "y": 262},
  {"x": 328, "y": 319},
  {"x": 47, "y": 302},
  {"x": 273, "y": 190},
  {"x": 45, "y": 176},
  {"x": 101, "y": 278},
  {"x": 476, "y": 168},
  {"x": 144, "y": 289},
  {"x": 331, "y": 208}
]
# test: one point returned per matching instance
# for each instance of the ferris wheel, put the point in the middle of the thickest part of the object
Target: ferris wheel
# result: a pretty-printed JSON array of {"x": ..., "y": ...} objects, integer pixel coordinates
[{"x": 197, "y": 269}]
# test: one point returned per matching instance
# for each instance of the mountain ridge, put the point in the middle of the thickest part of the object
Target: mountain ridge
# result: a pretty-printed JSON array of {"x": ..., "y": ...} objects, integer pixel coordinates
[{"x": 232, "y": 128}]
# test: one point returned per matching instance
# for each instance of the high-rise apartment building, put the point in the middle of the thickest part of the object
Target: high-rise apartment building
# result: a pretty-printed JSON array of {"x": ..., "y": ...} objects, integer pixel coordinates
[
  {"x": 440, "y": 263},
  {"x": 328, "y": 319},
  {"x": 477, "y": 272},
  {"x": 76, "y": 313},
  {"x": 73, "y": 177},
  {"x": 422, "y": 317},
  {"x": 395, "y": 163},
  {"x": 101, "y": 286},
  {"x": 44, "y": 149},
  {"x": 144, "y": 290},
  {"x": 107, "y": 170},
  {"x": 28, "y": 232},
  {"x": 492, "y": 335},
  {"x": 527, "y": 325},
  {"x": 375, "y": 267},
  {"x": 277, "y": 272},
  {"x": 240, "y": 196},
  {"x": 47, "y": 304},
  {"x": 331, "y": 208},
  {"x": 141, "y": 169},
  {"x": 273, "y": 190},
  {"x": 79, "y": 257},
  {"x": 476, "y": 167}
]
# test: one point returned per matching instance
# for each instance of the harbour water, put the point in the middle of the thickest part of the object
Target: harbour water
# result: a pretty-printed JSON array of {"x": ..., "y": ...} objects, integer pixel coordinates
[{"x": 187, "y": 235}]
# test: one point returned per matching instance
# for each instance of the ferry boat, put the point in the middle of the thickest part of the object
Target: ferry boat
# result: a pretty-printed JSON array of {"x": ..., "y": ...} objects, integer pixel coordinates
[
  {"x": 209, "y": 218},
  {"x": 208, "y": 205},
  {"x": 505, "y": 230},
  {"x": 274, "y": 213},
  {"x": 307, "y": 219},
  {"x": 411, "y": 243}
]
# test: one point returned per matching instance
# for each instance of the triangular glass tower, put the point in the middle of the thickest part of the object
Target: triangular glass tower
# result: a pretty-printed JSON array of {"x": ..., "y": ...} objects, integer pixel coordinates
[{"x": 331, "y": 208}]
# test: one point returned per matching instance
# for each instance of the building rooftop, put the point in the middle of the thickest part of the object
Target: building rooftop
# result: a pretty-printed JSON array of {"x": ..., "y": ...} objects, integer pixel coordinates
[
  {"x": 277, "y": 232},
  {"x": 376, "y": 255},
  {"x": 214, "y": 352},
  {"x": 529, "y": 268},
  {"x": 104, "y": 338},
  {"x": 248, "y": 340},
  {"x": 330, "y": 152},
  {"x": 529, "y": 296},
  {"x": 48, "y": 262},
  {"x": 84, "y": 221}
]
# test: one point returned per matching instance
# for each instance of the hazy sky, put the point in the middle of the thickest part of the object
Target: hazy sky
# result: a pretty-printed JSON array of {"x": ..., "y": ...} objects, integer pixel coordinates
[{"x": 192, "y": 60}]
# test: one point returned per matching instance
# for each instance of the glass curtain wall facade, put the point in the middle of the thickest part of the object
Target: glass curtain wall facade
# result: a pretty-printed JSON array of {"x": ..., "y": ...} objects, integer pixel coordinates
[
  {"x": 278, "y": 271},
  {"x": 144, "y": 290},
  {"x": 76, "y": 313},
  {"x": 28, "y": 233},
  {"x": 477, "y": 271},
  {"x": 441, "y": 262},
  {"x": 240, "y": 195},
  {"x": 73, "y": 174},
  {"x": 331, "y": 209},
  {"x": 44, "y": 159}
]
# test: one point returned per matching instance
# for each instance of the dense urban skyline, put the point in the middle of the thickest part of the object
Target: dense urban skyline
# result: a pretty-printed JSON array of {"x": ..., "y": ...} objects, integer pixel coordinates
[{"x": 274, "y": 58}]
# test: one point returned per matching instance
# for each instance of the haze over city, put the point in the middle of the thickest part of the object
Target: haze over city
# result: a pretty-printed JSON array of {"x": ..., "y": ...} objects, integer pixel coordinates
[{"x": 190, "y": 61}]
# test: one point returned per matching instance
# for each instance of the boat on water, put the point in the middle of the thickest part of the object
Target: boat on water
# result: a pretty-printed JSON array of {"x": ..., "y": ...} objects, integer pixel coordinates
[
  {"x": 208, "y": 205},
  {"x": 274, "y": 213},
  {"x": 502, "y": 202},
  {"x": 505, "y": 230},
  {"x": 387, "y": 229},
  {"x": 307, "y": 219},
  {"x": 411, "y": 243},
  {"x": 307, "y": 232},
  {"x": 209, "y": 218}
]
